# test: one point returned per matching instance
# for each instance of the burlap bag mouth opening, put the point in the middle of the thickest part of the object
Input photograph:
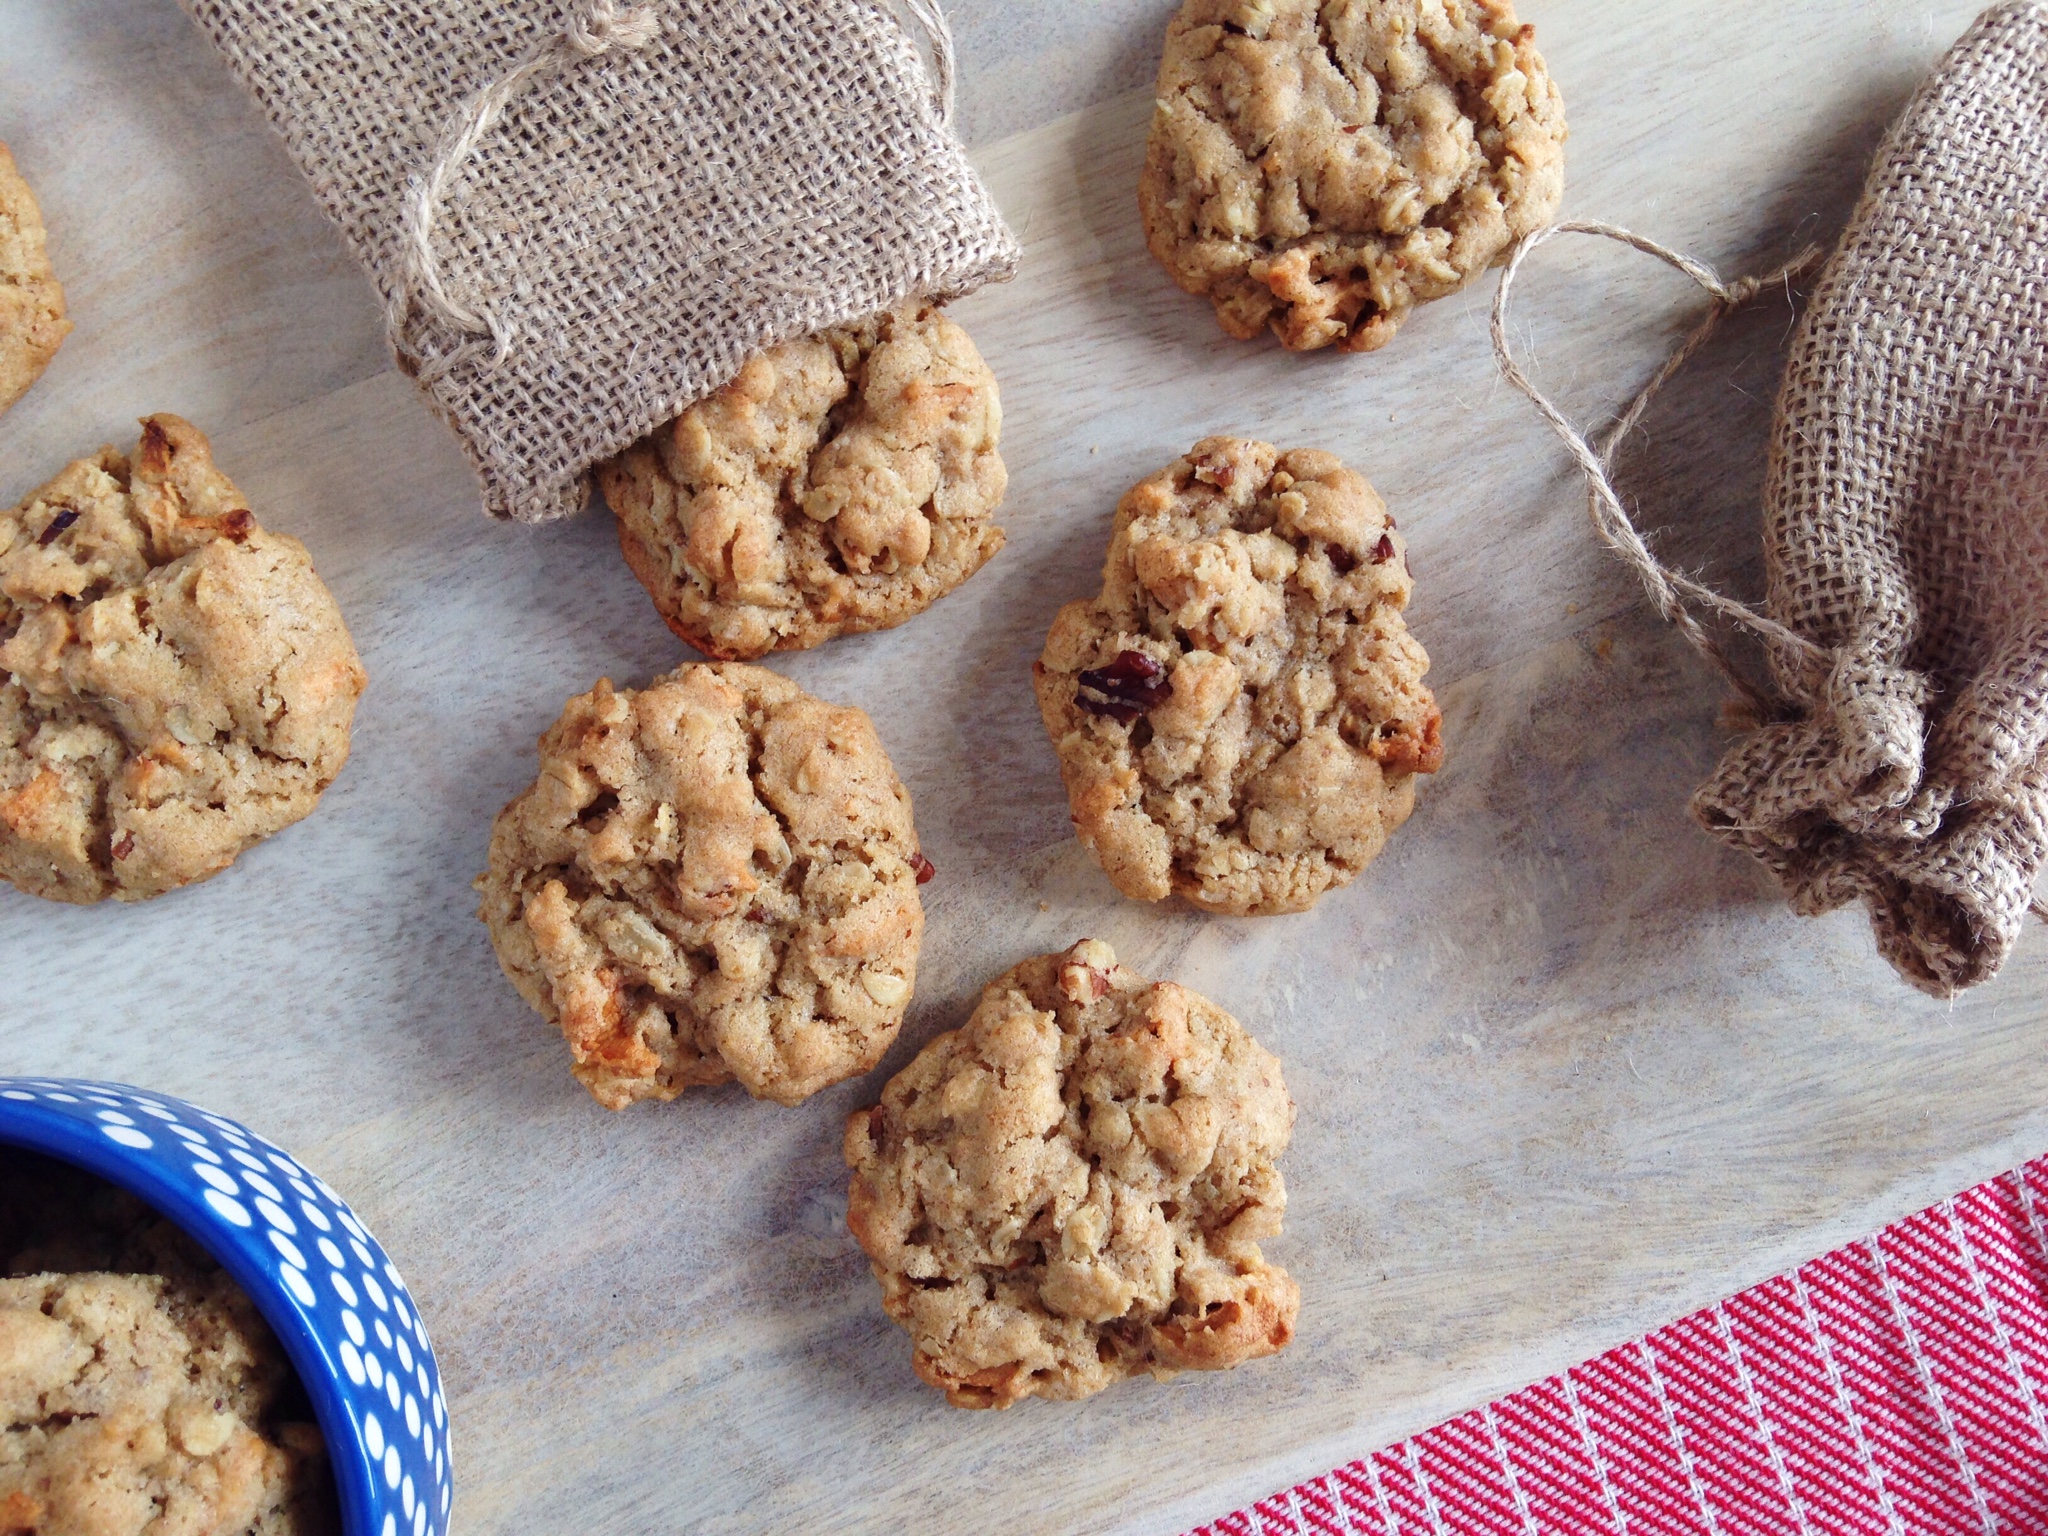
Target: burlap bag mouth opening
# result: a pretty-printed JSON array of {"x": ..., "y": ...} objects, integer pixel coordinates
[
  {"x": 581, "y": 216},
  {"x": 1897, "y": 753}
]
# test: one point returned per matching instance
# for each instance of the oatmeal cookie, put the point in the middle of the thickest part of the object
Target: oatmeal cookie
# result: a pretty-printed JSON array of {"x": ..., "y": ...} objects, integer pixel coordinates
[
  {"x": 1240, "y": 715},
  {"x": 176, "y": 683},
  {"x": 714, "y": 877},
  {"x": 1070, "y": 1189},
  {"x": 128, "y": 1406},
  {"x": 189, "y": 1414},
  {"x": 32, "y": 323},
  {"x": 1323, "y": 166},
  {"x": 140, "y": 1390},
  {"x": 842, "y": 483}
]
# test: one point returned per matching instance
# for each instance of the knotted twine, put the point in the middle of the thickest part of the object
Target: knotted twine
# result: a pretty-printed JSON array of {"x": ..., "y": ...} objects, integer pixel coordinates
[
  {"x": 581, "y": 217},
  {"x": 1897, "y": 756}
]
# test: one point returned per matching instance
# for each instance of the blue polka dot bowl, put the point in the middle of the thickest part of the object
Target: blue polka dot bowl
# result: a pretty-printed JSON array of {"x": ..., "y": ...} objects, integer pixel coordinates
[{"x": 327, "y": 1290}]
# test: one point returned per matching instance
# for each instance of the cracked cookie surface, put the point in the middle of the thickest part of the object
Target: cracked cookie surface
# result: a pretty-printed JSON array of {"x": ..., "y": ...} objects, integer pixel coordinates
[
  {"x": 32, "y": 322},
  {"x": 841, "y": 483},
  {"x": 176, "y": 683},
  {"x": 1070, "y": 1189},
  {"x": 1320, "y": 167},
  {"x": 139, "y": 1404},
  {"x": 714, "y": 877},
  {"x": 1240, "y": 714}
]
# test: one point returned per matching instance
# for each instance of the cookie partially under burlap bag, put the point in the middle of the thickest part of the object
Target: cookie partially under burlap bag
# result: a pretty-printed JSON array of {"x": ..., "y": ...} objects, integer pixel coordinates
[
  {"x": 1900, "y": 757},
  {"x": 583, "y": 217}
]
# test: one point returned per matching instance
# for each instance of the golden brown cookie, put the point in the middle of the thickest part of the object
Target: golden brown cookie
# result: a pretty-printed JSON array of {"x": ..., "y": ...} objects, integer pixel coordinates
[
  {"x": 131, "y": 1405},
  {"x": 32, "y": 323},
  {"x": 842, "y": 483},
  {"x": 176, "y": 683},
  {"x": 1323, "y": 166},
  {"x": 1070, "y": 1189},
  {"x": 1240, "y": 715},
  {"x": 714, "y": 877}
]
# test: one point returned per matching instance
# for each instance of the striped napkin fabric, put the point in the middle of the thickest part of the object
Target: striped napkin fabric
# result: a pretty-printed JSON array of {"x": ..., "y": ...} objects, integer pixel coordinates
[{"x": 1896, "y": 1386}]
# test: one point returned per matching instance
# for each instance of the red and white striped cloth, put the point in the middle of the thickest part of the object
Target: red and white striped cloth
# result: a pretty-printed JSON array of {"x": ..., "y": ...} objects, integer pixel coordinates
[{"x": 1897, "y": 1385}]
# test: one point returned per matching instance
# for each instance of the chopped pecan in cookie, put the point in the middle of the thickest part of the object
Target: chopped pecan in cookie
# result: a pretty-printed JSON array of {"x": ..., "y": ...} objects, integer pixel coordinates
[{"x": 1125, "y": 689}]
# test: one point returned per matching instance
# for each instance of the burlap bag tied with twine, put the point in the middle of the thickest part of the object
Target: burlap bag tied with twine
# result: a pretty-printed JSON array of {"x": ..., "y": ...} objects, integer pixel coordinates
[
  {"x": 582, "y": 216},
  {"x": 1897, "y": 756}
]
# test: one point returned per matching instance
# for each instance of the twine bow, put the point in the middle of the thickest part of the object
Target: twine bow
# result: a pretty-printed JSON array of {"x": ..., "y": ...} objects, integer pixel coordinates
[{"x": 594, "y": 29}]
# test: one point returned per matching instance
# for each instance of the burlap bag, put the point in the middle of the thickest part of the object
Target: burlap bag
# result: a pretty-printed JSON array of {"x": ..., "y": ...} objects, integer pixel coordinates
[
  {"x": 582, "y": 217},
  {"x": 1898, "y": 756}
]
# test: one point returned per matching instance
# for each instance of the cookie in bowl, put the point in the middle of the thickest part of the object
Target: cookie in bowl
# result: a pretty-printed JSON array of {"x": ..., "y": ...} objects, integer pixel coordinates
[
  {"x": 176, "y": 682},
  {"x": 307, "y": 1378},
  {"x": 713, "y": 878},
  {"x": 843, "y": 482},
  {"x": 1070, "y": 1189},
  {"x": 1318, "y": 170},
  {"x": 1240, "y": 716},
  {"x": 141, "y": 1389}
]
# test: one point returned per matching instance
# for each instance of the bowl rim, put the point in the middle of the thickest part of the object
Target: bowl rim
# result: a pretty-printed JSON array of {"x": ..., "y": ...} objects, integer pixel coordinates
[{"x": 36, "y": 1128}]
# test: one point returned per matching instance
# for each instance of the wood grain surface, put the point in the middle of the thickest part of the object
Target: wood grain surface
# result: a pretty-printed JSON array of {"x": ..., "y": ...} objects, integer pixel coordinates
[{"x": 1564, "y": 1068}]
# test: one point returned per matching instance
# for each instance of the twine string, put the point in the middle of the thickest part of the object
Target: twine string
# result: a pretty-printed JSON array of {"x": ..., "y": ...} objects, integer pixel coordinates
[
  {"x": 938, "y": 36},
  {"x": 1669, "y": 590},
  {"x": 1674, "y": 594},
  {"x": 594, "y": 28}
]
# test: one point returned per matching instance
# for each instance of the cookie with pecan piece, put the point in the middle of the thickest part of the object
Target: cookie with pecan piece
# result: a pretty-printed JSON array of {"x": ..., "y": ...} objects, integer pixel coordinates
[
  {"x": 1070, "y": 1189},
  {"x": 134, "y": 1406},
  {"x": 714, "y": 877},
  {"x": 32, "y": 322},
  {"x": 1320, "y": 167},
  {"x": 843, "y": 482},
  {"x": 141, "y": 1392},
  {"x": 176, "y": 683},
  {"x": 1240, "y": 714}
]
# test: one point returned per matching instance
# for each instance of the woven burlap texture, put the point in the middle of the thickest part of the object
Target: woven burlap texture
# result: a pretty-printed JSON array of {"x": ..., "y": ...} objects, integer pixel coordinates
[
  {"x": 639, "y": 221},
  {"x": 1906, "y": 534}
]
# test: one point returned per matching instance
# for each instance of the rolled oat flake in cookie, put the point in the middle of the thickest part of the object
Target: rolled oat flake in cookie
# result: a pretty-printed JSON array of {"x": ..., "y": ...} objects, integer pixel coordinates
[
  {"x": 1240, "y": 715},
  {"x": 1320, "y": 167},
  {"x": 1071, "y": 1188},
  {"x": 842, "y": 483},
  {"x": 176, "y": 683},
  {"x": 32, "y": 323},
  {"x": 714, "y": 878}
]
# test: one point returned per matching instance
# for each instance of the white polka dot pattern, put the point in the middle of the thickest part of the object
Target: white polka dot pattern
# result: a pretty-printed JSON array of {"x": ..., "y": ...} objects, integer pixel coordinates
[{"x": 299, "y": 1251}]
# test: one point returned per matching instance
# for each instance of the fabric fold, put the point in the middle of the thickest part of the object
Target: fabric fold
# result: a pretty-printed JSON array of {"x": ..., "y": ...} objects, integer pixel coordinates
[{"x": 1906, "y": 535}]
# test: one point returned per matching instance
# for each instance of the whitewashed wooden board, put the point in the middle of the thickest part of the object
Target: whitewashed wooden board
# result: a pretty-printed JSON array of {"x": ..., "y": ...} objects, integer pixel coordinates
[{"x": 1565, "y": 1069}]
